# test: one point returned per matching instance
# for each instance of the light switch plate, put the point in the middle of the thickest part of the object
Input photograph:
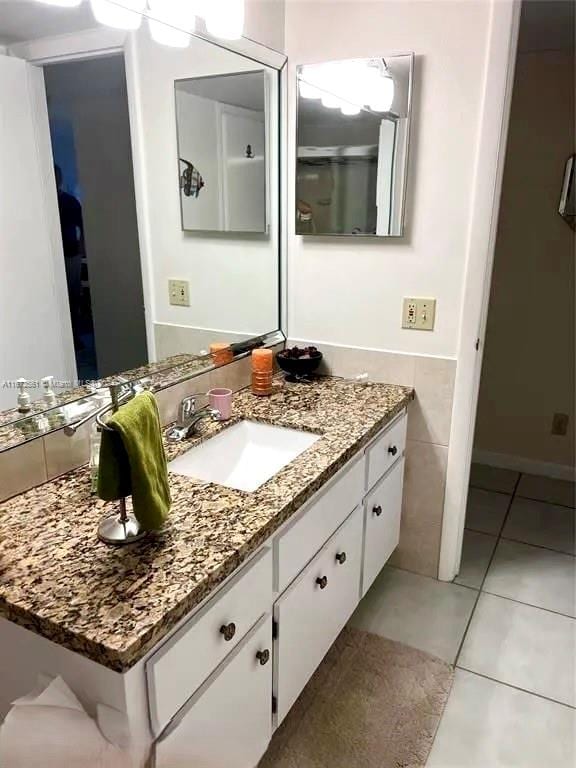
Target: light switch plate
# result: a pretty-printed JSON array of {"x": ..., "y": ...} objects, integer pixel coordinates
[
  {"x": 178, "y": 291},
  {"x": 419, "y": 314}
]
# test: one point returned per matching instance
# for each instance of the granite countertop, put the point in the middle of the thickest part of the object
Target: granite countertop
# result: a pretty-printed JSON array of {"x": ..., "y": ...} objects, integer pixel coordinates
[{"x": 114, "y": 604}]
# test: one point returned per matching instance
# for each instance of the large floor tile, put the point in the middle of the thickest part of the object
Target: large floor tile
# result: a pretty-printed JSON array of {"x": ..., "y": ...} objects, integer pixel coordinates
[
  {"x": 522, "y": 646},
  {"x": 477, "y": 550},
  {"x": 533, "y": 575},
  {"x": 541, "y": 524},
  {"x": 486, "y": 510},
  {"x": 493, "y": 478},
  {"x": 489, "y": 725},
  {"x": 419, "y": 611},
  {"x": 547, "y": 489}
]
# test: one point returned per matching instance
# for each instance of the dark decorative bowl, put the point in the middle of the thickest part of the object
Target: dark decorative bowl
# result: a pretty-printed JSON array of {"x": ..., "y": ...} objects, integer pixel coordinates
[{"x": 299, "y": 365}]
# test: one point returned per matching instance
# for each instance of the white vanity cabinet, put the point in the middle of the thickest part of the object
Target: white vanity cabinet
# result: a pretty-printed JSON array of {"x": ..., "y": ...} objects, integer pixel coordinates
[
  {"x": 383, "y": 506},
  {"x": 228, "y": 722},
  {"x": 215, "y": 702},
  {"x": 314, "y": 609}
]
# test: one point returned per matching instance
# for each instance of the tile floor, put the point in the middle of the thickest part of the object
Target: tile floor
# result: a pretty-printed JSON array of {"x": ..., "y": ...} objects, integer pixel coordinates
[{"x": 507, "y": 623}]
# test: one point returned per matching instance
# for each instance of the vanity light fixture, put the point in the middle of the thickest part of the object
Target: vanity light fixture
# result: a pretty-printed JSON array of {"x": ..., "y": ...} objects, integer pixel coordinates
[
  {"x": 349, "y": 85},
  {"x": 225, "y": 18},
  {"x": 62, "y": 3},
  {"x": 121, "y": 14},
  {"x": 171, "y": 22}
]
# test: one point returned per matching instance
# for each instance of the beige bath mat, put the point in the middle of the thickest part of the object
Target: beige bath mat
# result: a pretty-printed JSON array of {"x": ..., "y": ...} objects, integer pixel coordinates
[{"x": 372, "y": 703}]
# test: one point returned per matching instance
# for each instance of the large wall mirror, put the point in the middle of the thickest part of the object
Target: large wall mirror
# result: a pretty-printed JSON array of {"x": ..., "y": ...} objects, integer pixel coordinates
[
  {"x": 139, "y": 197},
  {"x": 353, "y": 131}
]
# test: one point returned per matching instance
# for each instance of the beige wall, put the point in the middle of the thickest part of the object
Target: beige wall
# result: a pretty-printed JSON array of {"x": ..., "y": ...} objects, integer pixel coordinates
[{"x": 528, "y": 370}]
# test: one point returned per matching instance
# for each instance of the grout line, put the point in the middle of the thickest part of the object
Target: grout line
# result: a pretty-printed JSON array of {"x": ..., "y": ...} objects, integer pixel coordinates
[
  {"x": 545, "y": 501},
  {"x": 529, "y": 605},
  {"x": 484, "y": 533},
  {"x": 538, "y": 546},
  {"x": 492, "y": 490},
  {"x": 517, "y": 688},
  {"x": 473, "y": 611}
]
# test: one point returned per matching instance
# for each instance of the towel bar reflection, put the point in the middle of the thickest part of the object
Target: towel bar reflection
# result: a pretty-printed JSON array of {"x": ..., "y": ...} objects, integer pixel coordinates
[{"x": 122, "y": 527}]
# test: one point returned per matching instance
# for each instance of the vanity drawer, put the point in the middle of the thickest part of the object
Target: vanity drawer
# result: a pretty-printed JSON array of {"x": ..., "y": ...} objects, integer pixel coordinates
[
  {"x": 386, "y": 450},
  {"x": 298, "y": 544},
  {"x": 314, "y": 609},
  {"x": 383, "y": 507},
  {"x": 182, "y": 664}
]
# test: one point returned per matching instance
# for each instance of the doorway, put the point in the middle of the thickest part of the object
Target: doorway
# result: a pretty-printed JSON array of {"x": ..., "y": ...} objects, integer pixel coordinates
[{"x": 90, "y": 136}]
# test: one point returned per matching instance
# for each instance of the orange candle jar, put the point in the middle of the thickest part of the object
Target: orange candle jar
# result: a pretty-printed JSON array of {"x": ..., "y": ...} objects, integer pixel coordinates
[
  {"x": 262, "y": 360},
  {"x": 262, "y": 363},
  {"x": 221, "y": 353}
]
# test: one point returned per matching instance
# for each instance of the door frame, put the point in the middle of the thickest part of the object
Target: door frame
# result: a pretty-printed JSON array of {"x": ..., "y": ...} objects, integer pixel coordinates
[{"x": 498, "y": 84}]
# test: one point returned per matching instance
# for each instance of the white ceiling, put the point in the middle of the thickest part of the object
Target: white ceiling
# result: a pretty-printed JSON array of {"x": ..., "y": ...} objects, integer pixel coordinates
[{"x": 22, "y": 20}]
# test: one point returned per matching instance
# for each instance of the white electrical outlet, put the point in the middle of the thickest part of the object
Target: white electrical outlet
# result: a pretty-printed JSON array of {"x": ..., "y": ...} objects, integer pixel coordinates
[
  {"x": 178, "y": 291},
  {"x": 419, "y": 314}
]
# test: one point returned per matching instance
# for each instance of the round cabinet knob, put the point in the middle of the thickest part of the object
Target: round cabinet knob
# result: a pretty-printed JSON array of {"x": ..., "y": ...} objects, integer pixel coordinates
[
  {"x": 377, "y": 510},
  {"x": 341, "y": 557},
  {"x": 322, "y": 582},
  {"x": 228, "y": 630},
  {"x": 263, "y": 657},
  {"x": 393, "y": 450}
]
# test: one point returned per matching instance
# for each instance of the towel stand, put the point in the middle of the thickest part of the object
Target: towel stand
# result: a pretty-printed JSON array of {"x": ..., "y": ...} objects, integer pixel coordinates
[{"x": 122, "y": 527}]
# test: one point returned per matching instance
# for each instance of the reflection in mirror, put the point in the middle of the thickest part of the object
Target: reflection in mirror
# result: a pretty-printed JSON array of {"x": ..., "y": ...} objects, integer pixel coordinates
[
  {"x": 221, "y": 123},
  {"x": 352, "y": 146},
  {"x": 90, "y": 204}
]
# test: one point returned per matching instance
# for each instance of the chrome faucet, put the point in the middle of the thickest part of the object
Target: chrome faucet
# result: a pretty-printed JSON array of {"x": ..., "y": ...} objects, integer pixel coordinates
[{"x": 189, "y": 417}]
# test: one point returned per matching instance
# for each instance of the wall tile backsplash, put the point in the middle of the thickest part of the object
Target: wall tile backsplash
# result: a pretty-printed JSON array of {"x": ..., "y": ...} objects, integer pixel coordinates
[{"x": 429, "y": 419}]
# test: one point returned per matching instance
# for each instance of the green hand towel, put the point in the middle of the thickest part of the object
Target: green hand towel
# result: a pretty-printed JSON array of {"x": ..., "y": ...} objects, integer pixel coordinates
[{"x": 133, "y": 463}]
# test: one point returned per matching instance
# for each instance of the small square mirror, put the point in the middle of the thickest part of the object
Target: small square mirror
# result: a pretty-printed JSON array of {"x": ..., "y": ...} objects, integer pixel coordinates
[{"x": 352, "y": 146}]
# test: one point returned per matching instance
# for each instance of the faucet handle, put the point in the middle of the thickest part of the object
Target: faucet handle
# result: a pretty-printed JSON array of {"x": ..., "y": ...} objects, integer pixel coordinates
[{"x": 187, "y": 407}]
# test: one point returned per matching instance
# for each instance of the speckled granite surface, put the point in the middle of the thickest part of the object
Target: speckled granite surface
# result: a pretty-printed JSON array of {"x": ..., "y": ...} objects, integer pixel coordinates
[{"x": 113, "y": 605}]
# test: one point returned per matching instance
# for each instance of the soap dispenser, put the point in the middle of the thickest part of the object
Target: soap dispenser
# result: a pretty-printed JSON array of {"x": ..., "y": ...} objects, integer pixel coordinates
[
  {"x": 49, "y": 394},
  {"x": 24, "y": 404}
]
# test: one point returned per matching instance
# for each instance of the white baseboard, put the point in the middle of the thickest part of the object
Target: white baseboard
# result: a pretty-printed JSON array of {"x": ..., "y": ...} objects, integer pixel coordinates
[{"x": 520, "y": 464}]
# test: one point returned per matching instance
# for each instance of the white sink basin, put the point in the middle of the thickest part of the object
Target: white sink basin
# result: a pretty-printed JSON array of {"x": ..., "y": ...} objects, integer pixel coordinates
[{"x": 243, "y": 456}]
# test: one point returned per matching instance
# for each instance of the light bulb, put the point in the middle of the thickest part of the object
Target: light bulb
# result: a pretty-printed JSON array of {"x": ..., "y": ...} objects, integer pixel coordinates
[
  {"x": 332, "y": 102},
  {"x": 350, "y": 109},
  {"x": 62, "y": 3},
  {"x": 309, "y": 91},
  {"x": 225, "y": 18},
  {"x": 121, "y": 14},
  {"x": 382, "y": 97},
  {"x": 172, "y": 23}
]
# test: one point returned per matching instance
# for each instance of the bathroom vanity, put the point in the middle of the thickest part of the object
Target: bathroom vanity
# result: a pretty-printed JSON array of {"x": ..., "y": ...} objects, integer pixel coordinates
[{"x": 203, "y": 636}]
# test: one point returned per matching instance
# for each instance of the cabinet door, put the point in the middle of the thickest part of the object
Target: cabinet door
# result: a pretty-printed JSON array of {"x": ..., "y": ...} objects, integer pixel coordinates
[
  {"x": 228, "y": 722},
  {"x": 315, "y": 608},
  {"x": 382, "y": 534}
]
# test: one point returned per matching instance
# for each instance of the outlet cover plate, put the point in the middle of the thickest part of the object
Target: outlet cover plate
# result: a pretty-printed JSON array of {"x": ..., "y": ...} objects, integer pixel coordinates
[
  {"x": 419, "y": 314},
  {"x": 178, "y": 291}
]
